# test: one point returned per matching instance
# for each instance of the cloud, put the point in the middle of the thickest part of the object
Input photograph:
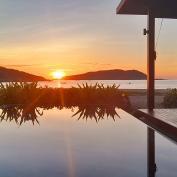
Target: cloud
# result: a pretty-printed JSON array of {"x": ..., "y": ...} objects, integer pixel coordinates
[
  {"x": 22, "y": 65},
  {"x": 96, "y": 63}
]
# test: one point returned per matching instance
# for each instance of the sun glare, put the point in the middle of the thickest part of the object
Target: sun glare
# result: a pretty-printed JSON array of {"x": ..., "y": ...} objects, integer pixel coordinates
[{"x": 58, "y": 74}]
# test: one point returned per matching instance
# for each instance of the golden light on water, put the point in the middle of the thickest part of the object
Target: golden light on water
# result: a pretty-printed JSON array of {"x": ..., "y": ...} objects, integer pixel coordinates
[{"x": 58, "y": 74}]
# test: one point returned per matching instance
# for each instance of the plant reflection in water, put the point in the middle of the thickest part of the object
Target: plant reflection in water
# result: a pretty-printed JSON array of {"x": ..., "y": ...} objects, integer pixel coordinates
[
  {"x": 97, "y": 113},
  {"x": 23, "y": 114},
  {"x": 20, "y": 114}
]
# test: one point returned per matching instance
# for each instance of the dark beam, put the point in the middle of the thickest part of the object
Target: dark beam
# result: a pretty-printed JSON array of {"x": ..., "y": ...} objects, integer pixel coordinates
[
  {"x": 151, "y": 61},
  {"x": 162, "y": 8}
]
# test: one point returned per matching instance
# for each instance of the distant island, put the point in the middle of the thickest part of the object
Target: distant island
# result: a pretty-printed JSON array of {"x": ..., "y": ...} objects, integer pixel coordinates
[
  {"x": 116, "y": 74},
  {"x": 12, "y": 75}
]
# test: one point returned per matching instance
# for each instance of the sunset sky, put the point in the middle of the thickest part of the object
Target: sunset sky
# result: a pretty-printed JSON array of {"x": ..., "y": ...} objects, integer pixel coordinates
[{"x": 76, "y": 36}]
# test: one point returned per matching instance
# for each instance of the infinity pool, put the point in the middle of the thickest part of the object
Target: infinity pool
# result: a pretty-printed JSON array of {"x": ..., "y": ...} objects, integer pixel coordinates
[{"x": 62, "y": 145}]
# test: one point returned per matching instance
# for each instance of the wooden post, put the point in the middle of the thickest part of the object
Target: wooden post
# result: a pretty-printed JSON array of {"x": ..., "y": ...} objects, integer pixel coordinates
[
  {"x": 151, "y": 61},
  {"x": 151, "y": 91}
]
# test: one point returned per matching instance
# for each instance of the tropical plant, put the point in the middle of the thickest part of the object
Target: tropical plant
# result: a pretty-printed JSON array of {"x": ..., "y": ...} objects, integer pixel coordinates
[{"x": 30, "y": 93}]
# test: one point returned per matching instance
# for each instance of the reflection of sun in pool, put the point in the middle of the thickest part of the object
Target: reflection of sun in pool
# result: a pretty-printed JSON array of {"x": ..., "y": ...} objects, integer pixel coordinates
[{"x": 58, "y": 74}]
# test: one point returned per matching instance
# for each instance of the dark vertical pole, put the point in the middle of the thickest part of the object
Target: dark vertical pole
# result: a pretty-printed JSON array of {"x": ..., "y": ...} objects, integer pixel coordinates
[
  {"x": 151, "y": 153},
  {"x": 151, "y": 60}
]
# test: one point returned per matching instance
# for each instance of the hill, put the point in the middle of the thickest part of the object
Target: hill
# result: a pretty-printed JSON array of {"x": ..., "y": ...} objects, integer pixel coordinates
[
  {"x": 116, "y": 74},
  {"x": 12, "y": 75}
]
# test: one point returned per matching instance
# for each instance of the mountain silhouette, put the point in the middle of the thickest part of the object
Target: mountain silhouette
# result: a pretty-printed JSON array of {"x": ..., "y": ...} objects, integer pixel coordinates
[
  {"x": 116, "y": 74},
  {"x": 12, "y": 75}
]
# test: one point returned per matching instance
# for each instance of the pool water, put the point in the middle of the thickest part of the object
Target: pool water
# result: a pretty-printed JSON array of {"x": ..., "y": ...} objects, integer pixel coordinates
[{"x": 62, "y": 145}]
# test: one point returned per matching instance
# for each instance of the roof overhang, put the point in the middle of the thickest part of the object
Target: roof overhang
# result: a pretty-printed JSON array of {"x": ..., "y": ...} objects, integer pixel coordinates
[{"x": 160, "y": 8}]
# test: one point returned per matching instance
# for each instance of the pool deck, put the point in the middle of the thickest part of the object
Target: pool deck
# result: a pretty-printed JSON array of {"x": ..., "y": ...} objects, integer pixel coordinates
[{"x": 162, "y": 120}]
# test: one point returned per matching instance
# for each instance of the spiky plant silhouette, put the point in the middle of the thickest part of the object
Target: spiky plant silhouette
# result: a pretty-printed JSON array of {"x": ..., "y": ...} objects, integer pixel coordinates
[{"x": 22, "y": 101}]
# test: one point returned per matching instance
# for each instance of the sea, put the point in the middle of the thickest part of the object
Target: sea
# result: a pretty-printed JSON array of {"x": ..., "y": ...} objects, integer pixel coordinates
[{"x": 123, "y": 84}]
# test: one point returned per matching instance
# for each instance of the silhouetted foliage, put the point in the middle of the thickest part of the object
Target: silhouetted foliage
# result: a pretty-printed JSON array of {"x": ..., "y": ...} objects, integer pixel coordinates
[
  {"x": 25, "y": 93},
  {"x": 170, "y": 99},
  {"x": 26, "y": 101}
]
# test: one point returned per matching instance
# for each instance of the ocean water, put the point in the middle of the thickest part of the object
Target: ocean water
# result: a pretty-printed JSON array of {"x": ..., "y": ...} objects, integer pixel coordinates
[{"x": 124, "y": 84}]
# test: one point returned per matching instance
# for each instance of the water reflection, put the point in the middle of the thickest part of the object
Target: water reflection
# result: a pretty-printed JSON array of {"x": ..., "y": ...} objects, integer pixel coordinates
[
  {"x": 97, "y": 113},
  {"x": 22, "y": 114},
  {"x": 151, "y": 164},
  {"x": 80, "y": 139}
]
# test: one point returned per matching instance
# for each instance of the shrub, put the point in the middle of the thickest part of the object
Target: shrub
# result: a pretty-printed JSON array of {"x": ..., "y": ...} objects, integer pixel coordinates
[
  {"x": 30, "y": 93},
  {"x": 170, "y": 99}
]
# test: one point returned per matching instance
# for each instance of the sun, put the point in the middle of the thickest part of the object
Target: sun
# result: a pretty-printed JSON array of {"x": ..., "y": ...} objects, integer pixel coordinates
[{"x": 58, "y": 74}]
